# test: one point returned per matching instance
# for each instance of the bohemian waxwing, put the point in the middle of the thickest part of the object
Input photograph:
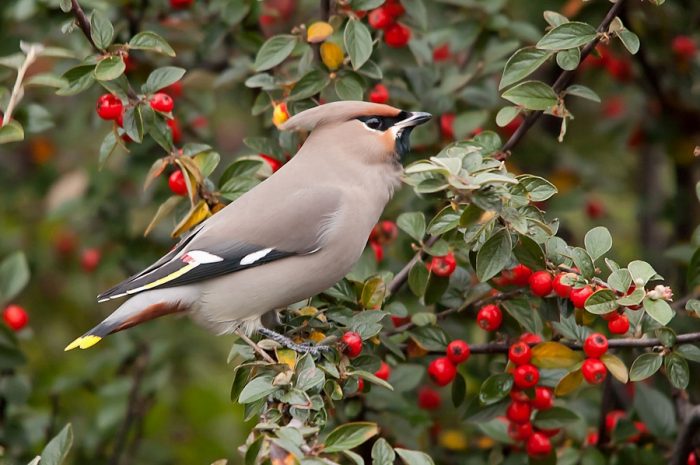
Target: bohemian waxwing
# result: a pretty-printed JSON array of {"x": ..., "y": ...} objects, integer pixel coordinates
[{"x": 289, "y": 238}]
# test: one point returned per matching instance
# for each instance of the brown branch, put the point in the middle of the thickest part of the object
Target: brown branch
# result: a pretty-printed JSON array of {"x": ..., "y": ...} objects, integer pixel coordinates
[
  {"x": 83, "y": 23},
  {"x": 562, "y": 81}
]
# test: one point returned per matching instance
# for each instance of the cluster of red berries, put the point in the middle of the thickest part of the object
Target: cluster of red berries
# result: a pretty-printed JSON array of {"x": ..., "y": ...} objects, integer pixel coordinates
[
  {"x": 395, "y": 34},
  {"x": 612, "y": 418},
  {"x": 15, "y": 317},
  {"x": 526, "y": 398},
  {"x": 443, "y": 266},
  {"x": 617, "y": 67},
  {"x": 384, "y": 233},
  {"x": 593, "y": 370},
  {"x": 443, "y": 370}
]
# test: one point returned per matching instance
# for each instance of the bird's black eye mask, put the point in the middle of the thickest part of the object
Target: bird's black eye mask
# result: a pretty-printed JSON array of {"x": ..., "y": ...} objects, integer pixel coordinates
[{"x": 382, "y": 123}]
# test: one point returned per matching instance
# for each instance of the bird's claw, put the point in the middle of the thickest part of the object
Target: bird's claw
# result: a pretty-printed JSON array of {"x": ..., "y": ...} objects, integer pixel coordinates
[{"x": 289, "y": 344}]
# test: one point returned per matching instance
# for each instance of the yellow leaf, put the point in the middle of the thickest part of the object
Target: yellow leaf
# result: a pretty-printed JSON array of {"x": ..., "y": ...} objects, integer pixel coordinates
[
  {"x": 317, "y": 336},
  {"x": 318, "y": 32},
  {"x": 453, "y": 439},
  {"x": 616, "y": 367},
  {"x": 569, "y": 383},
  {"x": 287, "y": 357},
  {"x": 554, "y": 355},
  {"x": 331, "y": 55},
  {"x": 196, "y": 215},
  {"x": 280, "y": 114},
  {"x": 307, "y": 311}
]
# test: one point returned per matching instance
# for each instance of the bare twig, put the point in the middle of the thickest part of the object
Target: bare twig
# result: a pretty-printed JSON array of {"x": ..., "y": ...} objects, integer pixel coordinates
[
  {"x": 254, "y": 346},
  {"x": 83, "y": 23},
  {"x": 18, "y": 91}
]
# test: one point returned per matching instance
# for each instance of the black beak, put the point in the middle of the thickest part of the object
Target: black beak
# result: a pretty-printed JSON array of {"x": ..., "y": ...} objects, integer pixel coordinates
[{"x": 414, "y": 119}]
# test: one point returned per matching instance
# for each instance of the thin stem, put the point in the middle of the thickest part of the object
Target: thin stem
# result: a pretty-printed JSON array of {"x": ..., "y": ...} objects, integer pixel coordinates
[
  {"x": 83, "y": 23},
  {"x": 18, "y": 90},
  {"x": 254, "y": 346}
]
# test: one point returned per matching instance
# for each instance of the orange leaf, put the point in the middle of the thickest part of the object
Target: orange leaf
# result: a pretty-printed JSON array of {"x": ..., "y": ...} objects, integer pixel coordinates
[{"x": 318, "y": 32}]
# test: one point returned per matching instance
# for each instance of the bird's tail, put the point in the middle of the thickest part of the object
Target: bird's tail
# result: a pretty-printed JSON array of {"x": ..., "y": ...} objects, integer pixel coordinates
[{"x": 132, "y": 312}]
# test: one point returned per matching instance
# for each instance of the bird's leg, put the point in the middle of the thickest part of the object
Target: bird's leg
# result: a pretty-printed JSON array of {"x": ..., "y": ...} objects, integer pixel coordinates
[
  {"x": 288, "y": 343},
  {"x": 255, "y": 347}
]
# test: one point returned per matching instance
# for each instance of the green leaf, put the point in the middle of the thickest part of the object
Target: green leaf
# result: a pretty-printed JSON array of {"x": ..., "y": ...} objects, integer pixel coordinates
[
  {"x": 14, "y": 276},
  {"x": 373, "y": 293},
  {"x": 616, "y": 367},
  {"x": 554, "y": 19},
  {"x": 11, "y": 132},
  {"x": 538, "y": 189},
  {"x": 598, "y": 242},
  {"x": 630, "y": 40},
  {"x": 533, "y": 95},
  {"x": 161, "y": 78},
  {"x": 417, "y": 11},
  {"x": 309, "y": 85},
  {"x": 133, "y": 123},
  {"x": 641, "y": 271},
  {"x": 566, "y": 36},
  {"x": 365, "y": 5},
  {"x": 445, "y": 221},
  {"x": 524, "y": 314},
  {"x": 413, "y": 224},
  {"x": 601, "y": 302},
  {"x": 529, "y": 253},
  {"x": 257, "y": 389},
  {"x": 418, "y": 278},
  {"x": 349, "y": 87},
  {"x": 645, "y": 366},
  {"x": 79, "y": 79},
  {"x": 656, "y": 410},
  {"x": 274, "y": 51},
  {"x": 620, "y": 280},
  {"x": 46, "y": 80},
  {"x": 107, "y": 147},
  {"x": 459, "y": 390},
  {"x": 659, "y": 310},
  {"x": 350, "y": 435},
  {"x": 150, "y": 41},
  {"x": 584, "y": 92},
  {"x": 583, "y": 262},
  {"x": 677, "y": 370},
  {"x": 506, "y": 114},
  {"x": 494, "y": 255},
  {"x": 65, "y": 5},
  {"x": 382, "y": 453},
  {"x": 110, "y": 68},
  {"x": 57, "y": 449},
  {"x": 688, "y": 352},
  {"x": 414, "y": 457},
  {"x": 495, "y": 388},
  {"x": 693, "y": 273},
  {"x": 358, "y": 43},
  {"x": 569, "y": 59},
  {"x": 101, "y": 30},
  {"x": 429, "y": 337},
  {"x": 234, "y": 11},
  {"x": 555, "y": 417},
  {"x": 207, "y": 161},
  {"x": 666, "y": 336},
  {"x": 523, "y": 63}
]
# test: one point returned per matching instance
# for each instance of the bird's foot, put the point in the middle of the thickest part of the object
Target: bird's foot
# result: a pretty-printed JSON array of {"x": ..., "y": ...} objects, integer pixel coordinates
[{"x": 289, "y": 344}]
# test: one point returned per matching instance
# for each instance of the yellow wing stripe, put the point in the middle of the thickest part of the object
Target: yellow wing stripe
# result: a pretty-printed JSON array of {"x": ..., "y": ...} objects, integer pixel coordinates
[
  {"x": 84, "y": 342},
  {"x": 165, "y": 279}
]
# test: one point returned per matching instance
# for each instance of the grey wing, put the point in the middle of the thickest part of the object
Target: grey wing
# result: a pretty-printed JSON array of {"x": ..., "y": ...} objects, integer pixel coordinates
[{"x": 236, "y": 239}]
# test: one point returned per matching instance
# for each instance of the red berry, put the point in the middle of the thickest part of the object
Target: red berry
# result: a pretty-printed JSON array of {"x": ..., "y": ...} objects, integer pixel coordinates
[
  {"x": 443, "y": 266},
  {"x": 613, "y": 108},
  {"x": 541, "y": 283},
  {"x": 384, "y": 232},
  {"x": 595, "y": 208},
  {"x": 489, "y": 317},
  {"x": 530, "y": 338},
  {"x": 400, "y": 320},
  {"x": 177, "y": 183},
  {"x": 642, "y": 430},
  {"x": 526, "y": 376},
  {"x": 560, "y": 288},
  {"x": 447, "y": 125},
  {"x": 520, "y": 431},
  {"x": 428, "y": 398},
  {"x": 442, "y": 371},
  {"x": 595, "y": 345},
  {"x": 549, "y": 432},
  {"x": 458, "y": 351},
  {"x": 178, "y": 4},
  {"x": 379, "y": 94},
  {"x": 397, "y": 35},
  {"x": 394, "y": 9},
  {"x": 441, "y": 53},
  {"x": 360, "y": 385},
  {"x": 520, "y": 275},
  {"x": 519, "y": 412},
  {"x": 579, "y": 296},
  {"x": 538, "y": 445},
  {"x": 378, "y": 251},
  {"x": 383, "y": 372},
  {"x": 109, "y": 107},
  {"x": 519, "y": 396},
  {"x": 594, "y": 371},
  {"x": 162, "y": 102},
  {"x": 89, "y": 259},
  {"x": 175, "y": 130},
  {"x": 692, "y": 459},
  {"x": 683, "y": 47},
  {"x": 612, "y": 418},
  {"x": 353, "y": 344},
  {"x": 520, "y": 353},
  {"x": 379, "y": 18},
  {"x": 544, "y": 398},
  {"x": 619, "y": 325},
  {"x": 592, "y": 438},
  {"x": 619, "y": 68},
  {"x": 15, "y": 317},
  {"x": 174, "y": 90},
  {"x": 274, "y": 163}
]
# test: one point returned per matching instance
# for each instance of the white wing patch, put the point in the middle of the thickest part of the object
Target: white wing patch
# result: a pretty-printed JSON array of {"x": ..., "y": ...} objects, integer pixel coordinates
[
  {"x": 200, "y": 257},
  {"x": 255, "y": 256}
]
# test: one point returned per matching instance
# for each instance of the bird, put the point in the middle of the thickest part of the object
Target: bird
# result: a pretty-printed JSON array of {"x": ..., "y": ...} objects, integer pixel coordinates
[{"x": 292, "y": 236}]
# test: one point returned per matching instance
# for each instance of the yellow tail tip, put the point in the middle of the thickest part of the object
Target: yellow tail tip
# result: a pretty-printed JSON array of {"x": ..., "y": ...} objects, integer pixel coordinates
[{"x": 84, "y": 342}]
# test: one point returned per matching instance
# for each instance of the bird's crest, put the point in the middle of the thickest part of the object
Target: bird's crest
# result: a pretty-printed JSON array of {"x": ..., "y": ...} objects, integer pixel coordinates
[{"x": 336, "y": 112}]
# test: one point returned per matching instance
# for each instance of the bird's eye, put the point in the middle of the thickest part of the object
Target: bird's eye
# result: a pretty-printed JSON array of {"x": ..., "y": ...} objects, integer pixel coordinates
[{"x": 374, "y": 123}]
